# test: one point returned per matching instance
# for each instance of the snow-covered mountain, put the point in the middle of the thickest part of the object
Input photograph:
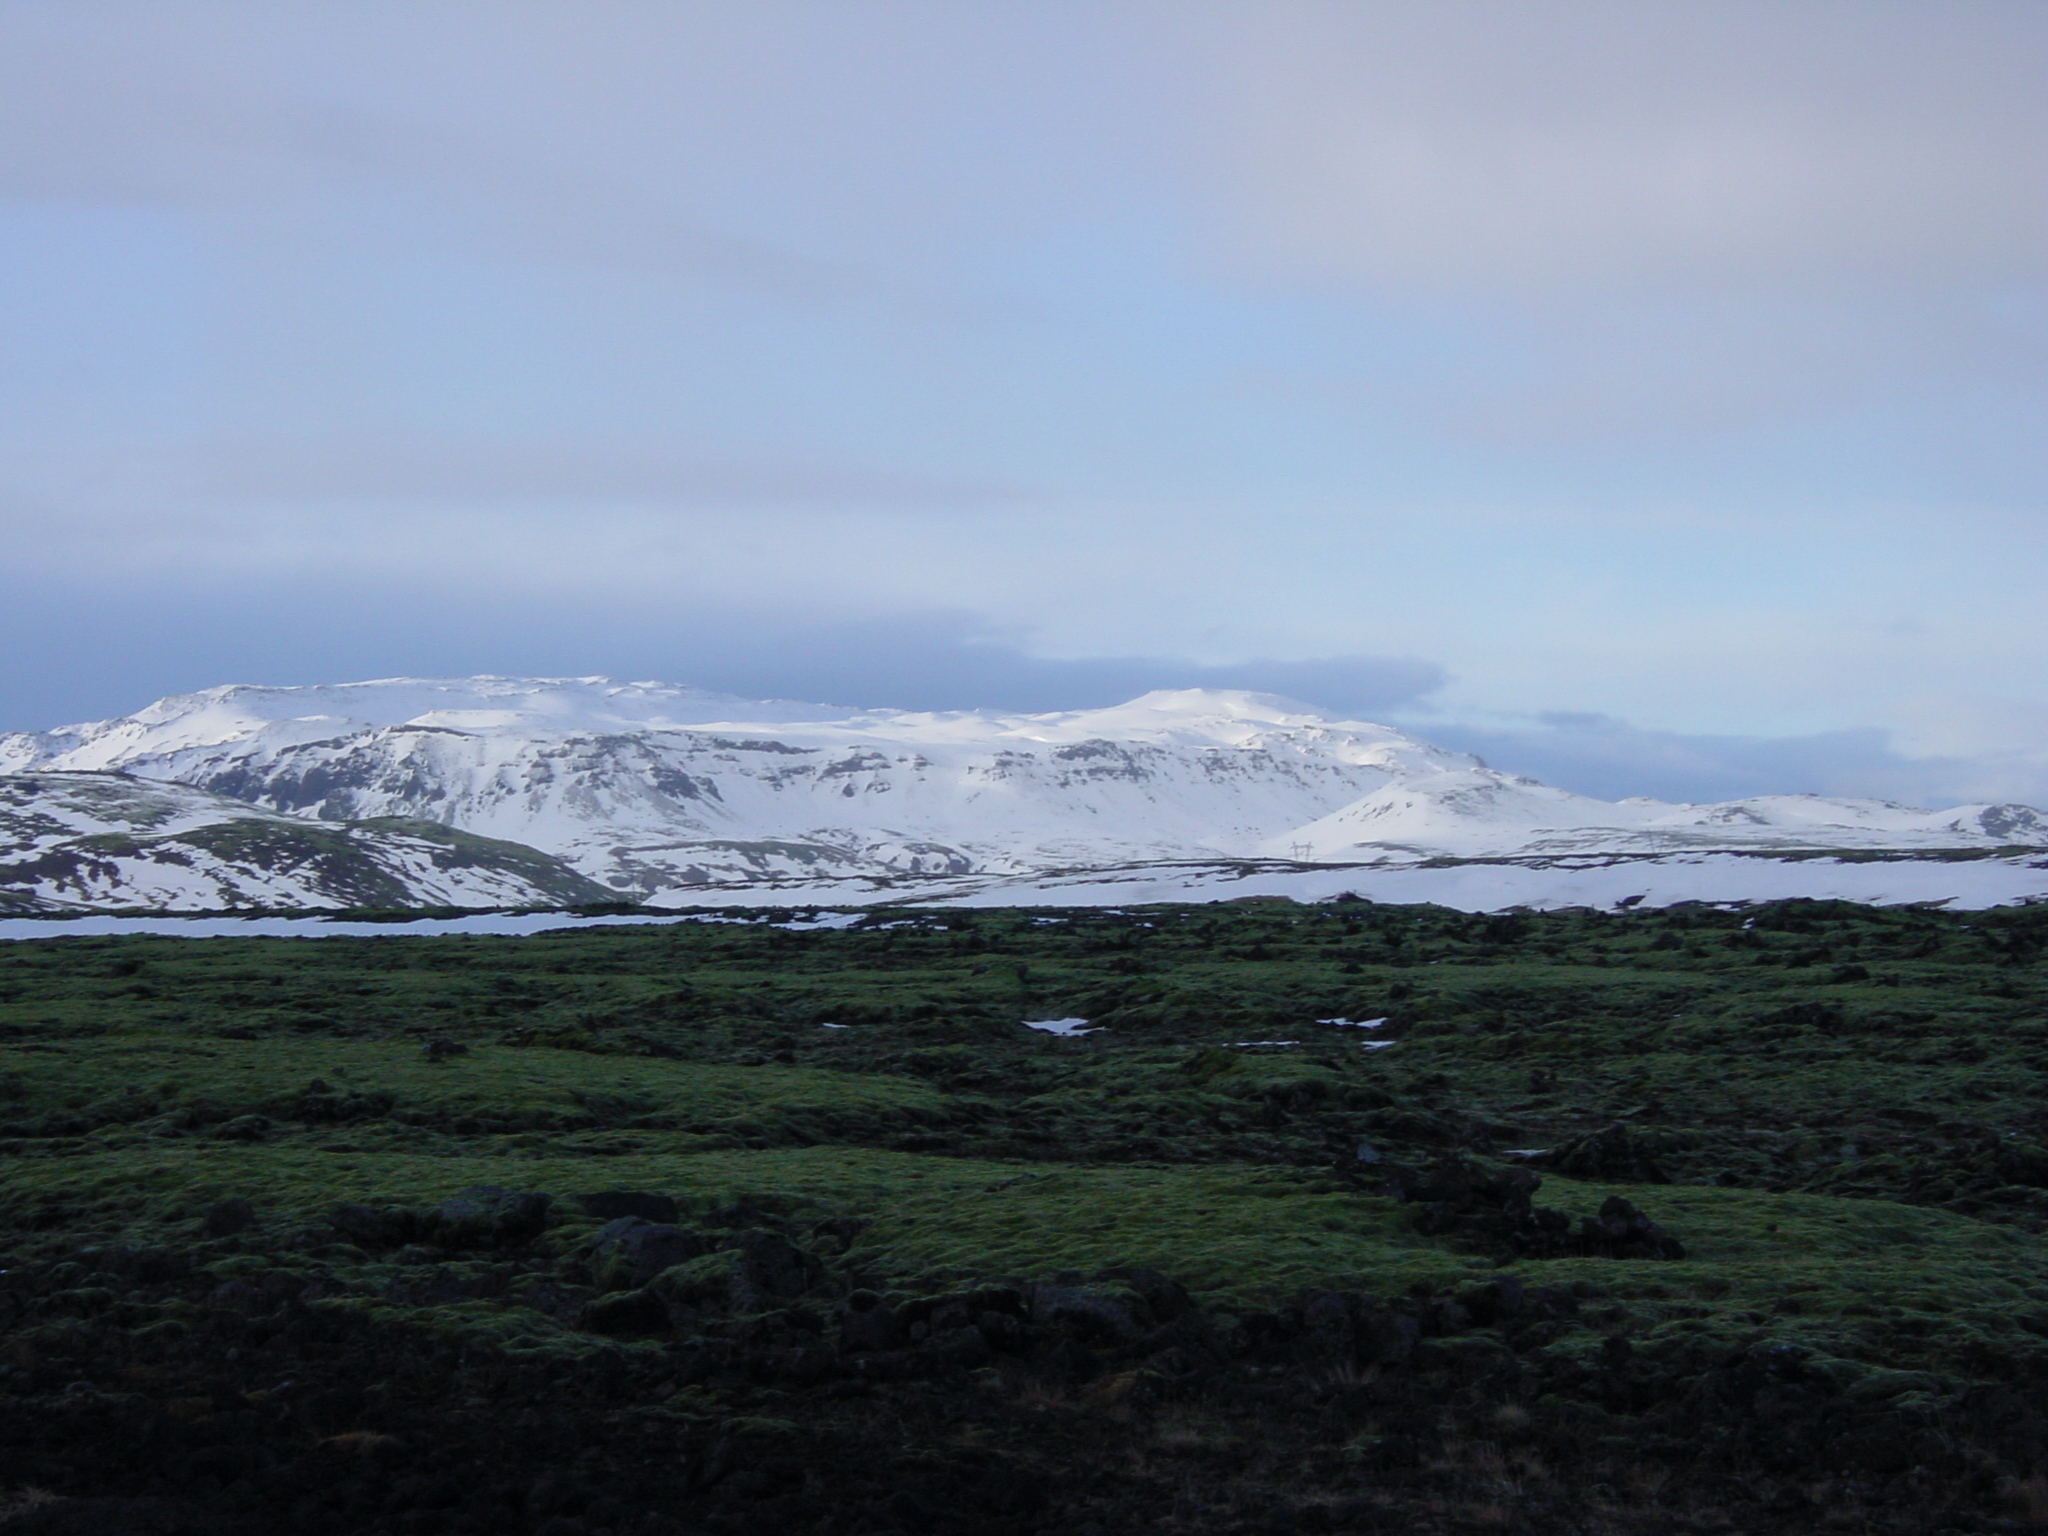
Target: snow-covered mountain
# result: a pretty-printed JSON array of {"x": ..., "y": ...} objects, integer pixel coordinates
[
  {"x": 647, "y": 788},
  {"x": 100, "y": 841}
]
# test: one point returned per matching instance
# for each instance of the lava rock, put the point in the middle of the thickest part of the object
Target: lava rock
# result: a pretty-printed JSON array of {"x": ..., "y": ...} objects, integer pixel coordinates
[
  {"x": 1165, "y": 1298},
  {"x": 375, "y": 1226},
  {"x": 224, "y": 1218},
  {"x": 866, "y": 1323},
  {"x": 1489, "y": 1209},
  {"x": 1497, "y": 1301},
  {"x": 1610, "y": 1154},
  {"x": 1090, "y": 1315},
  {"x": 625, "y": 1315},
  {"x": 771, "y": 1269},
  {"x": 487, "y": 1216},
  {"x": 630, "y": 1251},
  {"x": 1621, "y": 1231},
  {"x": 611, "y": 1204}
]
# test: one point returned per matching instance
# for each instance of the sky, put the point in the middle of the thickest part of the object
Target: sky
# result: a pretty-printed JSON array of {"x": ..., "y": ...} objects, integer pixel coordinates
[{"x": 1649, "y": 396}]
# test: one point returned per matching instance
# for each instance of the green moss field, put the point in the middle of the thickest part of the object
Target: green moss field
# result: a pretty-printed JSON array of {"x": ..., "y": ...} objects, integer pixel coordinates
[{"x": 1827, "y": 1122}]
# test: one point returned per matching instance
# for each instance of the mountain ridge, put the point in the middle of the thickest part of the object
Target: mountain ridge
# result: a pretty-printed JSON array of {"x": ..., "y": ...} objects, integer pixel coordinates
[
  {"x": 647, "y": 788},
  {"x": 98, "y": 841}
]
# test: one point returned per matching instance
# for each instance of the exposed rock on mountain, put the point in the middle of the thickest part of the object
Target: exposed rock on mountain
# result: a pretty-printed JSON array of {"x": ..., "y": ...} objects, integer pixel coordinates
[{"x": 108, "y": 840}]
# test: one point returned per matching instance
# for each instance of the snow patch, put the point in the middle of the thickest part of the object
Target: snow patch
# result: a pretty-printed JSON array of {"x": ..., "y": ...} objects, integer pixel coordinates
[{"x": 1062, "y": 1027}]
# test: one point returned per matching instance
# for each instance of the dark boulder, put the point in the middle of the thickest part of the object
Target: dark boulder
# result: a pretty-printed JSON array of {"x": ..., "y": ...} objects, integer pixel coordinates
[
  {"x": 1486, "y": 1208},
  {"x": 771, "y": 1269},
  {"x": 1496, "y": 1302},
  {"x": 1090, "y": 1315},
  {"x": 625, "y": 1315},
  {"x": 487, "y": 1216},
  {"x": 1611, "y": 1154},
  {"x": 1621, "y": 1231},
  {"x": 867, "y": 1324},
  {"x": 749, "y": 1272},
  {"x": 375, "y": 1226},
  {"x": 611, "y": 1204},
  {"x": 1492, "y": 1210},
  {"x": 1165, "y": 1298},
  {"x": 482, "y": 1216},
  {"x": 630, "y": 1251}
]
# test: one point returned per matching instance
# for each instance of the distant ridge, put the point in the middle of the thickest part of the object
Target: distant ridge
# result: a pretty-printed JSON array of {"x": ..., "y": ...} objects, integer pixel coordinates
[{"x": 649, "y": 790}]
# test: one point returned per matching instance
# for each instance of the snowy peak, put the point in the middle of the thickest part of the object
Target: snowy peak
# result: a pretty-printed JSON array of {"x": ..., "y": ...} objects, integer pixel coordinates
[
  {"x": 1210, "y": 712},
  {"x": 1233, "y": 718},
  {"x": 646, "y": 787},
  {"x": 566, "y": 704},
  {"x": 530, "y": 707}
]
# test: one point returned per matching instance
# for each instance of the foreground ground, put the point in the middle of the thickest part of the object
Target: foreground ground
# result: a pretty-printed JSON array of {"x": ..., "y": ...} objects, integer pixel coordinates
[{"x": 757, "y": 1226}]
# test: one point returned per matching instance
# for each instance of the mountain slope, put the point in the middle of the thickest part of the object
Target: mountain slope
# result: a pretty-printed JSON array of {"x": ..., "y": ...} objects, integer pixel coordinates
[
  {"x": 648, "y": 788},
  {"x": 1478, "y": 812},
  {"x": 108, "y": 840}
]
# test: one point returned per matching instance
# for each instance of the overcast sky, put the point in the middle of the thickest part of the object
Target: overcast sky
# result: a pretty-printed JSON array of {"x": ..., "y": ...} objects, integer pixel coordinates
[{"x": 1650, "y": 396}]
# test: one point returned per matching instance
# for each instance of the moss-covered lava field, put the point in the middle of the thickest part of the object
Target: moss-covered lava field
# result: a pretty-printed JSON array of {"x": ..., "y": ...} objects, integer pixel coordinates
[{"x": 1342, "y": 1217}]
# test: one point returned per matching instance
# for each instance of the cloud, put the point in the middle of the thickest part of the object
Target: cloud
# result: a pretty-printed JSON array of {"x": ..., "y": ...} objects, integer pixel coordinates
[
  {"x": 1671, "y": 215},
  {"x": 956, "y": 661},
  {"x": 1578, "y": 144},
  {"x": 448, "y": 469},
  {"x": 1666, "y": 214},
  {"x": 178, "y": 116},
  {"x": 1610, "y": 759},
  {"x": 112, "y": 657}
]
